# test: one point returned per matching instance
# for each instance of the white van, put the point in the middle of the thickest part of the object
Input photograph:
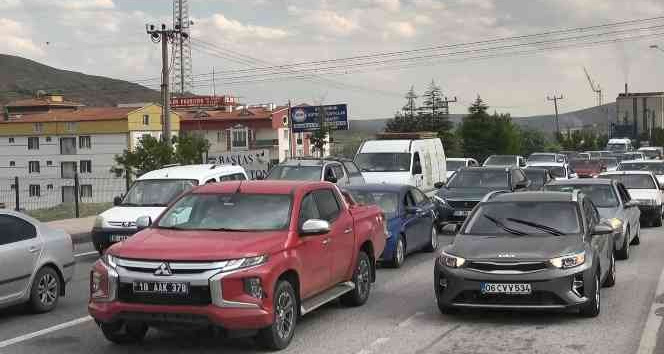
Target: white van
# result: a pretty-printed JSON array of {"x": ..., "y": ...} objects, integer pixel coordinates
[
  {"x": 149, "y": 196},
  {"x": 619, "y": 145},
  {"x": 417, "y": 162}
]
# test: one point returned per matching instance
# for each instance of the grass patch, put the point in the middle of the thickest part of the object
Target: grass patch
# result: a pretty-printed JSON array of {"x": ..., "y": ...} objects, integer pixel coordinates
[{"x": 67, "y": 211}]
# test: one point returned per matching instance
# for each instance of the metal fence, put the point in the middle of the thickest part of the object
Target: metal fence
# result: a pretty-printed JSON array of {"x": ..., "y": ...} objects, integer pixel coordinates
[{"x": 60, "y": 198}]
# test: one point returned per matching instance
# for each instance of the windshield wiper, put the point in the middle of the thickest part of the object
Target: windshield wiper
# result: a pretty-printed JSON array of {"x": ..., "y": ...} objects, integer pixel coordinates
[
  {"x": 502, "y": 226},
  {"x": 548, "y": 229}
]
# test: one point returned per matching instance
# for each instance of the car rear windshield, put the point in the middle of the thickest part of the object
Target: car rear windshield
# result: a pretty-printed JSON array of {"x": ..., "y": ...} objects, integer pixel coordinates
[
  {"x": 650, "y": 153},
  {"x": 556, "y": 171},
  {"x": 634, "y": 181},
  {"x": 657, "y": 168},
  {"x": 454, "y": 165},
  {"x": 383, "y": 162},
  {"x": 610, "y": 162},
  {"x": 479, "y": 179},
  {"x": 229, "y": 212},
  {"x": 586, "y": 164},
  {"x": 524, "y": 219},
  {"x": 387, "y": 201},
  {"x": 500, "y": 160},
  {"x": 542, "y": 158},
  {"x": 156, "y": 192},
  {"x": 632, "y": 157},
  {"x": 296, "y": 173},
  {"x": 536, "y": 177},
  {"x": 616, "y": 147},
  {"x": 602, "y": 195}
]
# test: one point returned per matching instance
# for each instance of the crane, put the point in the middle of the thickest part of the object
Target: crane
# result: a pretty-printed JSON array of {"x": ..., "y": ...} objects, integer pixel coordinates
[{"x": 595, "y": 87}]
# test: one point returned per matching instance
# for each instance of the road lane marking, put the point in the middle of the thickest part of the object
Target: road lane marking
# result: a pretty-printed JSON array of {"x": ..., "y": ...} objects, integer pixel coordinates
[
  {"x": 409, "y": 320},
  {"x": 45, "y": 331},
  {"x": 437, "y": 340},
  {"x": 374, "y": 345},
  {"x": 86, "y": 254},
  {"x": 653, "y": 322}
]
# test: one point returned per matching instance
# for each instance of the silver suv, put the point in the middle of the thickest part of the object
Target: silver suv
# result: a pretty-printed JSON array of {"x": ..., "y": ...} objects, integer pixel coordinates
[{"x": 341, "y": 171}]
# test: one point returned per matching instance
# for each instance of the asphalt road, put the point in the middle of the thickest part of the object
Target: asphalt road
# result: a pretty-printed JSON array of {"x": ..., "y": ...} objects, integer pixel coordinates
[{"x": 400, "y": 317}]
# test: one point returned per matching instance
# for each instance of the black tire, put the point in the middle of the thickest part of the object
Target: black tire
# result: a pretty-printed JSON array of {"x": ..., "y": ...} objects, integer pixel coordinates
[
  {"x": 124, "y": 333},
  {"x": 637, "y": 239},
  {"x": 623, "y": 253},
  {"x": 433, "y": 243},
  {"x": 447, "y": 310},
  {"x": 592, "y": 307},
  {"x": 657, "y": 221},
  {"x": 399, "y": 254},
  {"x": 279, "y": 335},
  {"x": 362, "y": 280},
  {"x": 610, "y": 280},
  {"x": 45, "y": 290}
]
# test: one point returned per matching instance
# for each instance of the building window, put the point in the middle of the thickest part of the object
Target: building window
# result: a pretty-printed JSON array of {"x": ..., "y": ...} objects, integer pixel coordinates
[
  {"x": 68, "y": 169},
  {"x": 49, "y": 187},
  {"x": 38, "y": 127},
  {"x": 239, "y": 138},
  {"x": 146, "y": 119},
  {"x": 71, "y": 126},
  {"x": 48, "y": 139},
  {"x": 33, "y": 143},
  {"x": 86, "y": 191},
  {"x": 86, "y": 166},
  {"x": 12, "y": 163},
  {"x": 68, "y": 146},
  {"x": 49, "y": 163},
  {"x": 84, "y": 142},
  {"x": 286, "y": 134},
  {"x": 220, "y": 137},
  {"x": 33, "y": 167},
  {"x": 35, "y": 190},
  {"x": 11, "y": 140}
]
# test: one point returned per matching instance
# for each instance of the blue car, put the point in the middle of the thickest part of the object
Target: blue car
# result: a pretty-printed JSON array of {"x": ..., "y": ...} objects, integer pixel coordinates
[{"x": 410, "y": 218}]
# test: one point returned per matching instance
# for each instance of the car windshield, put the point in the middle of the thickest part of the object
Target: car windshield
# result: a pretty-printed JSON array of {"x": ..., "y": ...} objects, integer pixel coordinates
[
  {"x": 524, "y": 219},
  {"x": 454, "y": 165},
  {"x": 616, "y": 147},
  {"x": 229, "y": 212},
  {"x": 632, "y": 157},
  {"x": 657, "y": 168},
  {"x": 542, "y": 158},
  {"x": 556, "y": 171},
  {"x": 492, "y": 179},
  {"x": 383, "y": 162},
  {"x": 156, "y": 192},
  {"x": 296, "y": 173},
  {"x": 603, "y": 195},
  {"x": 500, "y": 161},
  {"x": 387, "y": 201},
  {"x": 634, "y": 181},
  {"x": 586, "y": 164},
  {"x": 535, "y": 176},
  {"x": 609, "y": 162}
]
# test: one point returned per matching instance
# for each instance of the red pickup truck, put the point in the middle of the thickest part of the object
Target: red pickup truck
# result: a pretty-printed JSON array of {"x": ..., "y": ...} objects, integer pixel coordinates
[{"x": 239, "y": 256}]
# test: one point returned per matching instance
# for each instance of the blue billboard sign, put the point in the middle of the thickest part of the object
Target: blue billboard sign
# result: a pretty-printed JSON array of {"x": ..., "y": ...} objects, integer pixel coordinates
[{"x": 307, "y": 118}]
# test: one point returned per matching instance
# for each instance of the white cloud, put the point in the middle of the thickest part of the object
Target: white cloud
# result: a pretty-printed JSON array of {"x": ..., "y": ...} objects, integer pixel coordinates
[
  {"x": 423, "y": 20},
  {"x": 234, "y": 28},
  {"x": 429, "y": 4},
  {"x": 82, "y": 4},
  {"x": 485, "y": 4},
  {"x": 388, "y": 5},
  {"x": 15, "y": 40},
  {"x": 9, "y": 4},
  {"x": 402, "y": 29},
  {"x": 330, "y": 22}
]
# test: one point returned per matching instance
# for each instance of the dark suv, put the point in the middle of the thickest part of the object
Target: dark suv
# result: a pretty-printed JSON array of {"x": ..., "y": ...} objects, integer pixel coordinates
[
  {"x": 455, "y": 200},
  {"x": 531, "y": 250}
]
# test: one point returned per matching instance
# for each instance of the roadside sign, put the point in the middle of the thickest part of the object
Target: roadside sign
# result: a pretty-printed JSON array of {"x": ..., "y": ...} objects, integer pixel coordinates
[
  {"x": 307, "y": 118},
  {"x": 255, "y": 162}
]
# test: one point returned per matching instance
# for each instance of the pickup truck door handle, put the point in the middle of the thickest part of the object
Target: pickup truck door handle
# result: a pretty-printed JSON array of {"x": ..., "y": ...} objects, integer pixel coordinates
[
  {"x": 34, "y": 249},
  {"x": 348, "y": 230},
  {"x": 326, "y": 241}
]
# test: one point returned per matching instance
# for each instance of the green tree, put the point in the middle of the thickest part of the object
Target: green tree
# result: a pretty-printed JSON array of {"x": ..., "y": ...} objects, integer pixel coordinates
[
  {"x": 149, "y": 154},
  {"x": 406, "y": 119},
  {"x": 191, "y": 149},
  {"x": 432, "y": 115}
]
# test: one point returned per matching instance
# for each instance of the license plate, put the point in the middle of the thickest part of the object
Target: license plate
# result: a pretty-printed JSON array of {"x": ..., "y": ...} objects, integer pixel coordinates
[
  {"x": 516, "y": 289},
  {"x": 462, "y": 213},
  {"x": 165, "y": 288},
  {"x": 119, "y": 238}
]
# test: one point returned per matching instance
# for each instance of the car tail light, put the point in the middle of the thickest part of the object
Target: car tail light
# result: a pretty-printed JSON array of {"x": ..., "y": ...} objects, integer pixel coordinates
[{"x": 103, "y": 282}]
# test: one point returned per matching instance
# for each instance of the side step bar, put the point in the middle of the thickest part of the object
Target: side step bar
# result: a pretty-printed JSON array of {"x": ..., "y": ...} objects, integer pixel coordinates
[{"x": 325, "y": 297}]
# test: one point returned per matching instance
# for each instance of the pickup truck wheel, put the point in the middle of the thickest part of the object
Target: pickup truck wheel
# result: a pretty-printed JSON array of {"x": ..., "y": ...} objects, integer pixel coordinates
[
  {"x": 280, "y": 333},
  {"x": 123, "y": 332},
  {"x": 399, "y": 253},
  {"x": 362, "y": 281},
  {"x": 433, "y": 244}
]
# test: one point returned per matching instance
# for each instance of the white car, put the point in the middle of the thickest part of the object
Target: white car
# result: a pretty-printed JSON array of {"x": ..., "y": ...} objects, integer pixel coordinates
[
  {"x": 546, "y": 157},
  {"x": 645, "y": 190},
  {"x": 150, "y": 195},
  {"x": 455, "y": 163},
  {"x": 559, "y": 170},
  {"x": 504, "y": 160},
  {"x": 654, "y": 166}
]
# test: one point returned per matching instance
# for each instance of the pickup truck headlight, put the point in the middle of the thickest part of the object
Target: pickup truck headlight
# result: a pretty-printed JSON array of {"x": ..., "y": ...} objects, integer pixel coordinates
[
  {"x": 569, "y": 261},
  {"x": 451, "y": 261},
  {"x": 240, "y": 263},
  {"x": 616, "y": 224},
  {"x": 440, "y": 200}
]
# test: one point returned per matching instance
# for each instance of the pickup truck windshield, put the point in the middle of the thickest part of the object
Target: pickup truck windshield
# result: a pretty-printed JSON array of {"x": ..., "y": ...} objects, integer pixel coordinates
[
  {"x": 229, "y": 212},
  {"x": 156, "y": 192},
  {"x": 383, "y": 162},
  {"x": 479, "y": 179},
  {"x": 524, "y": 219},
  {"x": 296, "y": 173}
]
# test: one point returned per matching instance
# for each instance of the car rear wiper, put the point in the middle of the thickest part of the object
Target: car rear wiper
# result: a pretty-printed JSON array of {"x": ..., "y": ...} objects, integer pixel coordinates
[
  {"x": 549, "y": 229},
  {"x": 502, "y": 226}
]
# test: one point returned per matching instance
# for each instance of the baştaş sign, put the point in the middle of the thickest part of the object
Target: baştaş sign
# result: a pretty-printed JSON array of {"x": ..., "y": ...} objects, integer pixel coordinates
[{"x": 255, "y": 162}]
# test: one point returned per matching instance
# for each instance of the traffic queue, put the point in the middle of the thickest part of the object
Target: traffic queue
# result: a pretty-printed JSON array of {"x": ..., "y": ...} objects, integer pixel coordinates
[{"x": 201, "y": 246}]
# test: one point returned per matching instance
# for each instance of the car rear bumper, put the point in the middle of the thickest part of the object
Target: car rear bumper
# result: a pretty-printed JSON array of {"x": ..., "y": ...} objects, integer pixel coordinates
[
  {"x": 210, "y": 315},
  {"x": 650, "y": 211}
]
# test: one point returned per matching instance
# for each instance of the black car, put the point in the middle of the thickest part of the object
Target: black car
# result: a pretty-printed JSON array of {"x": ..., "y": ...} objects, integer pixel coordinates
[
  {"x": 531, "y": 250},
  {"x": 455, "y": 200},
  {"x": 539, "y": 177}
]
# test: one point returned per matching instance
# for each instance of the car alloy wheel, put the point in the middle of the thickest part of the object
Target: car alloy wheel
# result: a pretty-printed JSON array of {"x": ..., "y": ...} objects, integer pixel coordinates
[
  {"x": 611, "y": 277},
  {"x": 285, "y": 314},
  {"x": 363, "y": 281},
  {"x": 399, "y": 253},
  {"x": 433, "y": 244},
  {"x": 47, "y": 289},
  {"x": 597, "y": 294}
]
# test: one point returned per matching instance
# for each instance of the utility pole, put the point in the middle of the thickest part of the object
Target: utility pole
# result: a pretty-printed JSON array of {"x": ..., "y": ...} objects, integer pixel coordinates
[
  {"x": 290, "y": 129},
  {"x": 555, "y": 100},
  {"x": 164, "y": 35},
  {"x": 182, "y": 71}
]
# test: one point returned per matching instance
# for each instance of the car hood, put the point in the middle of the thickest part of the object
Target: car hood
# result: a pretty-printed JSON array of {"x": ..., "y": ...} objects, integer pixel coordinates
[
  {"x": 521, "y": 247},
  {"x": 160, "y": 244},
  {"x": 387, "y": 177},
  {"x": 464, "y": 193},
  {"x": 129, "y": 214},
  {"x": 643, "y": 193}
]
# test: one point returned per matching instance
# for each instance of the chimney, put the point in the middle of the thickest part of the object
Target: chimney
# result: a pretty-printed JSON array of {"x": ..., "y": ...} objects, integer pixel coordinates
[{"x": 626, "y": 90}]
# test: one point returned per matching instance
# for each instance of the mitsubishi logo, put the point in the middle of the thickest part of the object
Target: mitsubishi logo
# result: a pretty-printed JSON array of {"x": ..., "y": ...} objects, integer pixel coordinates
[
  {"x": 126, "y": 224},
  {"x": 163, "y": 270}
]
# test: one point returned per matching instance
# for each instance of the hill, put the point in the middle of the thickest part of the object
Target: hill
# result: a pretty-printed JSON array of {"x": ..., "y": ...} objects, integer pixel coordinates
[{"x": 22, "y": 78}]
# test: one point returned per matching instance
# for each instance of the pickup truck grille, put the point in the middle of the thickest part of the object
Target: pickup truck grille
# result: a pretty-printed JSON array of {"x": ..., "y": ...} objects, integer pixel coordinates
[
  {"x": 198, "y": 296},
  {"x": 462, "y": 204},
  {"x": 506, "y": 267}
]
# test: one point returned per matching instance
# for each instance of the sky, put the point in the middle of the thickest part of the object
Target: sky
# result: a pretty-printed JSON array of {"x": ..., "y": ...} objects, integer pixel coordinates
[{"x": 108, "y": 38}]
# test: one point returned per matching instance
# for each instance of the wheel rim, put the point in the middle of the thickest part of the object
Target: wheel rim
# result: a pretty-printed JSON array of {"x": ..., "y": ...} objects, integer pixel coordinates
[
  {"x": 47, "y": 289},
  {"x": 597, "y": 297},
  {"x": 400, "y": 251},
  {"x": 363, "y": 278},
  {"x": 285, "y": 314},
  {"x": 434, "y": 238},
  {"x": 613, "y": 267}
]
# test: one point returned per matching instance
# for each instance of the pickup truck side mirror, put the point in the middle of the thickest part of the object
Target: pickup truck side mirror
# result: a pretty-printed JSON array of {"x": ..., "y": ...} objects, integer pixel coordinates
[
  {"x": 143, "y": 222},
  {"x": 315, "y": 227},
  {"x": 331, "y": 179},
  {"x": 117, "y": 200},
  {"x": 348, "y": 197},
  {"x": 439, "y": 185}
]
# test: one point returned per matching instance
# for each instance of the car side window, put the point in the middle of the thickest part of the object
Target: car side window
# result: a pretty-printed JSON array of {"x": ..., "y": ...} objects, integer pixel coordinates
[
  {"x": 15, "y": 230},
  {"x": 308, "y": 209},
  {"x": 417, "y": 165},
  {"x": 352, "y": 168},
  {"x": 408, "y": 200},
  {"x": 328, "y": 205},
  {"x": 418, "y": 197},
  {"x": 624, "y": 193},
  {"x": 338, "y": 171},
  {"x": 239, "y": 177},
  {"x": 211, "y": 181},
  {"x": 328, "y": 173}
]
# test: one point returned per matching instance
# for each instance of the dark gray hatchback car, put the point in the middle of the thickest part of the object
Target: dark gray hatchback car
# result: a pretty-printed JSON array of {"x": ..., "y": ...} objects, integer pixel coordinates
[{"x": 528, "y": 250}]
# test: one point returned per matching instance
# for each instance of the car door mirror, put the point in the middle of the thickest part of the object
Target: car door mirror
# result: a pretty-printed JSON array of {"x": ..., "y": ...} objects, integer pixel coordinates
[
  {"x": 315, "y": 227},
  {"x": 413, "y": 210},
  {"x": 602, "y": 230},
  {"x": 117, "y": 200},
  {"x": 143, "y": 222},
  {"x": 450, "y": 229},
  {"x": 630, "y": 204},
  {"x": 439, "y": 185},
  {"x": 330, "y": 179}
]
